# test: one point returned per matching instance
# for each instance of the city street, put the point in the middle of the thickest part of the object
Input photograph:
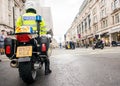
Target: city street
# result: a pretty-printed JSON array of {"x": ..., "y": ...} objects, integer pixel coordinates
[{"x": 79, "y": 67}]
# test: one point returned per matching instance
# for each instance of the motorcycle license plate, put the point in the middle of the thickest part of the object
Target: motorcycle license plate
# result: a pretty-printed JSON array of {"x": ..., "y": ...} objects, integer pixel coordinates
[{"x": 24, "y": 51}]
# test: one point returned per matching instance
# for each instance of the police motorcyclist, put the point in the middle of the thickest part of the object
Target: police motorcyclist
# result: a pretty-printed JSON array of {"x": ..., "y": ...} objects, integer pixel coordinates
[{"x": 28, "y": 19}]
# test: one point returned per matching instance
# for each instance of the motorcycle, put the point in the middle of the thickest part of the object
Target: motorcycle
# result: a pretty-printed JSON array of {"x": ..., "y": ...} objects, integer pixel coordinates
[
  {"x": 27, "y": 53},
  {"x": 98, "y": 45}
]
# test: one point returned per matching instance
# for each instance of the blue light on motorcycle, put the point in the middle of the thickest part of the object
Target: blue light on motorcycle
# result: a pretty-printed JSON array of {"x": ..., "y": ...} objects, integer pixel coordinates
[
  {"x": 38, "y": 18},
  {"x": 31, "y": 30}
]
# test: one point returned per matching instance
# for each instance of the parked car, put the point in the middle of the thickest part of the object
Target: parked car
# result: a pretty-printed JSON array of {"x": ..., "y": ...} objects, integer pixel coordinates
[
  {"x": 114, "y": 43},
  {"x": 118, "y": 43}
]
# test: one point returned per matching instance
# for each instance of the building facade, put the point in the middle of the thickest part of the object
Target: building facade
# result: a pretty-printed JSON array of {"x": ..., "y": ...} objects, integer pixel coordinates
[
  {"x": 45, "y": 12},
  {"x": 97, "y": 19},
  {"x": 6, "y": 13}
]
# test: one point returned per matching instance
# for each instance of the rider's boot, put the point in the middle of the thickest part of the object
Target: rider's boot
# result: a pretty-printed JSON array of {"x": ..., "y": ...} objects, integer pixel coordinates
[{"x": 47, "y": 67}]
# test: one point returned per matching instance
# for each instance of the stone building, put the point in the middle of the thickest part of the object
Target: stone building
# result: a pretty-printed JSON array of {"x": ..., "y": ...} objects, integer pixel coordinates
[
  {"x": 6, "y": 13},
  {"x": 45, "y": 12},
  {"x": 97, "y": 19}
]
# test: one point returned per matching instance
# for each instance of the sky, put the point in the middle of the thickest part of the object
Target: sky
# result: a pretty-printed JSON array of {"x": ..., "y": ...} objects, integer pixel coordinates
[{"x": 63, "y": 14}]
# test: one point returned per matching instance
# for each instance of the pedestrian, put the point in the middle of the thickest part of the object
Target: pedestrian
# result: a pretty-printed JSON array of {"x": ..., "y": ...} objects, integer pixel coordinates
[
  {"x": 73, "y": 44},
  {"x": 60, "y": 45},
  {"x": 2, "y": 37}
]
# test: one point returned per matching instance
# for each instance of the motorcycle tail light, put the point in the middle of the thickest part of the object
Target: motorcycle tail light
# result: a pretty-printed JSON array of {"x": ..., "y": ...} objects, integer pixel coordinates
[
  {"x": 8, "y": 49},
  {"x": 44, "y": 48},
  {"x": 23, "y": 37}
]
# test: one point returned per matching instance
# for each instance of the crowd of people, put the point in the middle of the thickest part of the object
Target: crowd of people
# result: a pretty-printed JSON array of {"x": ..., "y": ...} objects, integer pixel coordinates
[{"x": 70, "y": 45}]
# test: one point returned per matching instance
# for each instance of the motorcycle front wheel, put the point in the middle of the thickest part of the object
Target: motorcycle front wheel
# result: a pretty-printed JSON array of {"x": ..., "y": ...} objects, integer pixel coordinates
[
  {"x": 93, "y": 47},
  {"x": 102, "y": 47},
  {"x": 27, "y": 72}
]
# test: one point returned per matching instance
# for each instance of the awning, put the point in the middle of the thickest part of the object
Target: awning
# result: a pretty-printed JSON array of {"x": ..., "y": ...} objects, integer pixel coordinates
[
  {"x": 90, "y": 36},
  {"x": 104, "y": 34},
  {"x": 116, "y": 29}
]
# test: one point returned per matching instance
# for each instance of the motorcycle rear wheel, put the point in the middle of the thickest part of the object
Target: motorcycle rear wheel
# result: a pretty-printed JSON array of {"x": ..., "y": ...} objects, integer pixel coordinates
[
  {"x": 93, "y": 47},
  {"x": 27, "y": 72}
]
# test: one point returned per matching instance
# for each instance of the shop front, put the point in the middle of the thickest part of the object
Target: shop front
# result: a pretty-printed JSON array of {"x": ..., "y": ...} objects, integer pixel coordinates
[
  {"x": 90, "y": 39},
  {"x": 83, "y": 42},
  {"x": 78, "y": 43},
  {"x": 105, "y": 38},
  {"x": 115, "y": 34}
]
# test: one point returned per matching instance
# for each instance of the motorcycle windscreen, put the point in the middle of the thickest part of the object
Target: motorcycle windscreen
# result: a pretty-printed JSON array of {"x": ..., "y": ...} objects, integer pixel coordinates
[{"x": 24, "y": 51}]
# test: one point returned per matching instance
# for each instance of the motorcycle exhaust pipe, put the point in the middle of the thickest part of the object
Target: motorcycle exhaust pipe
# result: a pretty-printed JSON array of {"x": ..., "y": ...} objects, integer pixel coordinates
[{"x": 14, "y": 63}]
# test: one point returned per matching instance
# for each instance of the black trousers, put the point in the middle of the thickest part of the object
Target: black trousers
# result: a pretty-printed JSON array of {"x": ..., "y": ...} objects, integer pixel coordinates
[
  {"x": 47, "y": 64},
  {"x": 46, "y": 41}
]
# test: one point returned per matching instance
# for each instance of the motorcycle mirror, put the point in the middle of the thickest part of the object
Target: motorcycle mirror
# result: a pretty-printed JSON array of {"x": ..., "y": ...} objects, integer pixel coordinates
[
  {"x": 49, "y": 32},
  {"x": 49, "y": 36}
]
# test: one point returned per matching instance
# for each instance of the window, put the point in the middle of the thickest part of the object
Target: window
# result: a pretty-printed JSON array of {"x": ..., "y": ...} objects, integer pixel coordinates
[
  {"x": 103, "y": 13},
  {"x": 85, "y": 21},
  {"x": 112, "y": 5},
  {"x": 116, "y": 3},
  {"x": 94, "y": 11},
  {"x": 89, "y": 21},
  {"x": 90, "y": 1},
  {"x": 9, "y": 5},
  {"x": 78, "y": 29},
  {"x": 102, "y": 2},
  {"x": 82, "y": 26},
  {"x": 95, "y": 19},
  {"x": 9, "y": 19},
  {"x": 96, "y": 27},
  {"x": 113, "y": 20},
  {"x": 104, "y": 23},
  {"x": 117, "y": 18}
]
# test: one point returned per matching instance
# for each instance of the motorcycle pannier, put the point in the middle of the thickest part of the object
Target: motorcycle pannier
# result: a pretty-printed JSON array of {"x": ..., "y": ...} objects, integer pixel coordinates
[
  {"x": 45, "y": 40},
  {"x": 9, "y": 45}
]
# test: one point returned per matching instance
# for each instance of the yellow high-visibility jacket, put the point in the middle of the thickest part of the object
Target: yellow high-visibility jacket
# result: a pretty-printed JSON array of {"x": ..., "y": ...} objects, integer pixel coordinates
[{"x": 28, "y": 19}]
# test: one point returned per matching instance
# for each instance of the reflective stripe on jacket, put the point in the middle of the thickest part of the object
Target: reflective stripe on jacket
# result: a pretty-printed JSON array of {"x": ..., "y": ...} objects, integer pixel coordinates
[{"x": 28, "y": 19}]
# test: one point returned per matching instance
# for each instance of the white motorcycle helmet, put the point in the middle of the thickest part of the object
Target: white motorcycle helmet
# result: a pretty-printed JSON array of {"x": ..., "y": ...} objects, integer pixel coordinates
[{"x": 30, "y": 5}]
